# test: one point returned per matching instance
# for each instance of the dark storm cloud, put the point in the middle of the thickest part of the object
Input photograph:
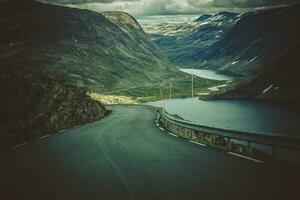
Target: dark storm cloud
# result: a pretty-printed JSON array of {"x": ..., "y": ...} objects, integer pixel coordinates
[
  {"x": 252, "y": 3},
  {"x": 171, "y": 7},
  {"x": 83, "y": 1},
  {"x": 218, "y": 3}
]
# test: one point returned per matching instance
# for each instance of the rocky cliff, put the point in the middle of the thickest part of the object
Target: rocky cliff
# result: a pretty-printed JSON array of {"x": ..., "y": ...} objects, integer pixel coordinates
[{"x": 33, "y": 105}]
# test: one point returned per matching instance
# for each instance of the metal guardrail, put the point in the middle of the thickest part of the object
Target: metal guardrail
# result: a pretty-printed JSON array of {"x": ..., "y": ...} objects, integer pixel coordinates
[
  {"x": 263, "y": 147},
  {"x": 266, "y": 147},
  {"x": 275, "y": 140}
]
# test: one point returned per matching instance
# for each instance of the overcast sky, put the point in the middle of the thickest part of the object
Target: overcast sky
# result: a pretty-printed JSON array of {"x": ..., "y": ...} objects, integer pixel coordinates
[{"x": 171, "y": 7}]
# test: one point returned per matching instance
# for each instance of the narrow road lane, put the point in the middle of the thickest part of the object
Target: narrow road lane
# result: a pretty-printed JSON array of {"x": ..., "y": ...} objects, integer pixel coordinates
[{"x": 126, "y": 156}]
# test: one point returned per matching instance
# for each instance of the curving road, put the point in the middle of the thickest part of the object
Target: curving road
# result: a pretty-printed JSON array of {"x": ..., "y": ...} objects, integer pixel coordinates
[{"x": 126, "y": 156}]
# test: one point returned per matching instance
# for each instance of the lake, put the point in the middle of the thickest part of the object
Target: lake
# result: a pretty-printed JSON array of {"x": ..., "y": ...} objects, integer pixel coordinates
[
  {"x": 244, "y": 115},
  {"x": 209, "y": 74}
]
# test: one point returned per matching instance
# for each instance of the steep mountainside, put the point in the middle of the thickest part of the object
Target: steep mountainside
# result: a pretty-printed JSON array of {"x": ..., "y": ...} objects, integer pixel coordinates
[
  {"x": 33, "y": 105},
  {"x": 80, "y": 46},
  {"x": 182, "y": 43},
  {"x": 264, "y": 46}
]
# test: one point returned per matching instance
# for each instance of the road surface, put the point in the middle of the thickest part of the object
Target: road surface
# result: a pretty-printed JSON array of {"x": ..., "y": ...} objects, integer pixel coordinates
[{"x": 126, "y": 156}]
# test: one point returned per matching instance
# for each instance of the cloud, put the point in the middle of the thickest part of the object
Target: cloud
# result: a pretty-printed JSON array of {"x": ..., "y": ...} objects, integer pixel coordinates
[
  {"x": 192, "y": 3},
  {"x": 170, "y": 7},
  {"x": 146, "y": 7},
  {"x": 85, "y": 1},
  {"x": 251, "y": 3}
]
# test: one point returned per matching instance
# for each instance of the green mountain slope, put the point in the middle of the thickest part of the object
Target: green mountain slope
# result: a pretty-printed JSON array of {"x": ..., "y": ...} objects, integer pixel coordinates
[{"x": 80, "y": 46}]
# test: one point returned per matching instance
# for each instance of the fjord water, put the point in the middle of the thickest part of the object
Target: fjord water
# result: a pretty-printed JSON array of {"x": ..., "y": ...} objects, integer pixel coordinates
[
  {"x": 242, "y": 115},
  {"x": 209, "y": 74},
  {"x": 263, "y": 117}
]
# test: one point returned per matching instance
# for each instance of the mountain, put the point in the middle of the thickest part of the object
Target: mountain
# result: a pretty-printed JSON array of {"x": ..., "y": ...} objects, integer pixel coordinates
[
  {"x": 85, "y": 48},
  {"x": 108, "y": 54},
  {"x": 183, "y": 42},
  {"x": 254, "y": 40},
  {"x": 263, "y": 46}
]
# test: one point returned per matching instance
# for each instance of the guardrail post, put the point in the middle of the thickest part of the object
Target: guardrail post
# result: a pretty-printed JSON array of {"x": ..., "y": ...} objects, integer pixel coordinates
[
  {"x": 228, "y": 144},
  {"x": 201, "y": 137},
  {"x": 211, "y": 139},
  {"x": 249, "y": 148}
]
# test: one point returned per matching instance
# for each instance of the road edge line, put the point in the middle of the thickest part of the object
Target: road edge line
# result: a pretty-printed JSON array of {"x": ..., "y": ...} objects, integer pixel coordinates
[
  {"x": 172, "y": 134},
  {"x": 198, "y": 143},
  {"x": 42, "y": 137},
  {"x": 19, "y": 145},
  {"x": 246, "y": 157}
]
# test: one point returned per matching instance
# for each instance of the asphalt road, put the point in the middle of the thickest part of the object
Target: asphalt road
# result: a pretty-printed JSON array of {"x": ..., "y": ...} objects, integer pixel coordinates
[{"x": 126, "y": 156}]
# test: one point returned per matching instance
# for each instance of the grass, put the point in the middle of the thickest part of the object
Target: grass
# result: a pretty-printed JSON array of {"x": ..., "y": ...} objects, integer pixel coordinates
[{"x": 181, "y": 88}]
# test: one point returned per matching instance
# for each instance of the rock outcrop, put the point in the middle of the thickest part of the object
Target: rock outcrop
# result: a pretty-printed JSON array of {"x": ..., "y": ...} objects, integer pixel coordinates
[{"x": 33, "y": 105}]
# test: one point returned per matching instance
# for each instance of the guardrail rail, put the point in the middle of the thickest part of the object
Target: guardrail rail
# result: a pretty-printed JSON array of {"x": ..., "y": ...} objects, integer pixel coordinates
[{"x": 259, "y": 146}]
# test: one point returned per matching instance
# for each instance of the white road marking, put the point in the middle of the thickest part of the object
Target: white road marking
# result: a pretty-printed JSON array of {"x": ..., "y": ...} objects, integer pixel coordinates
[
  {"x": 42, "y": 137},
  {"x": 198, "y": 143},
  {"x": 19, "y": 145},
  {"x": 245, "y": 157},
  {"x": 253, "y": 59},
  {"x": 267, "y": 89},
  {"x": 161, "y": 128},
  {"x": 62, "y": 130},
  {"x": 157, "y": 124},
  {"x": 173, "y": 134}
]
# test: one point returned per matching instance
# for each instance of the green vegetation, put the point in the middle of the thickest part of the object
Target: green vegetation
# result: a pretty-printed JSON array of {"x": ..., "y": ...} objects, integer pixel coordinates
[{"x": 180, "y": 88}]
